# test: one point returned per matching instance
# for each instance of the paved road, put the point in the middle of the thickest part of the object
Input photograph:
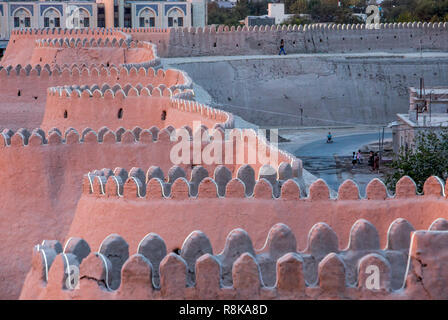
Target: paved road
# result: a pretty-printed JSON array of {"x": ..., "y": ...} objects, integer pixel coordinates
[
  {"x": 342, "y": 146},
  {"x": 361, "y": 55},
  {"x": 324, "y": 159}
]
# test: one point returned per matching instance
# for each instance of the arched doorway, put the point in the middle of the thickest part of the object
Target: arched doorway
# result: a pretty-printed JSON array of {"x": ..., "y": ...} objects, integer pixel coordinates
[
  {"x": 22, "y": 18},
  {"x": 147, "y": 18},
  {"x": 52, "y": 18},
  {"x": 175, "y": 18}
]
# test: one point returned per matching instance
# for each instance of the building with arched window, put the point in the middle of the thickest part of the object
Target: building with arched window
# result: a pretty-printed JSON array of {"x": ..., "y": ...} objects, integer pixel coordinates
[{"x": 99, "y": 13}]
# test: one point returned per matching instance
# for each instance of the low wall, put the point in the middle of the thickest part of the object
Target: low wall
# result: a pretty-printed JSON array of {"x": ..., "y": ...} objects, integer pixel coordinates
[
  {"x": 212, "y": 41},
  {"x": 330, "y": 89},
  {"x": 24, "y": 88},
  {"x": 80, "y": 107},
  {"x": 412, "y": 266},
  {"x": 21, "y": 40},
  {"x": 43, "y": 198},
  {"x": 174, "y": 214}
]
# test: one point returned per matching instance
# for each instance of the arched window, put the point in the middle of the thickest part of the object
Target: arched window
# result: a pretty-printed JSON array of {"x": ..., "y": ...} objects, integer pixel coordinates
[
  {"x": 147, "y": 18},
  {"x": 175, "y": 18},
  {"x": 163, "y": 117},
  {"x": 52, "y": 18},
  {"x": 84, "y": 17},
  {"x": 120, "y": 113},
  {"x": 22, "y": 18}
]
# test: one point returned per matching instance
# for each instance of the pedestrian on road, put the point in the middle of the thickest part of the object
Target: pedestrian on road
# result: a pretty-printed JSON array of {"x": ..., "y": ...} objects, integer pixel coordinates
[
  {"x": 371, "y": 160},
  {"x": 354, "y": 160},
  {"x": 359, "y": 157},
  {"x": 282, "y": 48},
  {"x": 376, "y": 162}
]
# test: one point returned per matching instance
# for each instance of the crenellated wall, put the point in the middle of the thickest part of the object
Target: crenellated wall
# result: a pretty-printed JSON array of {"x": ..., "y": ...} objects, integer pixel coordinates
[
  {"x": 314, "y": 38},
  {"x": 22, "y": 40},
  {"x": 24, "y": 88},
  {"x": 82, "y": 106},
  {"x": 96, "y": 51},
  {"x": 44, "y": 172},
  {"x": 43, "y": 199},
  {"x": 174, "y": 203},
  {"x": 323, "y": 270}
]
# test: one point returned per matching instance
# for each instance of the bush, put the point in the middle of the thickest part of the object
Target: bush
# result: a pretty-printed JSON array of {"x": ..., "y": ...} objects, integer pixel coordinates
[{"x": 428, "y": 158}]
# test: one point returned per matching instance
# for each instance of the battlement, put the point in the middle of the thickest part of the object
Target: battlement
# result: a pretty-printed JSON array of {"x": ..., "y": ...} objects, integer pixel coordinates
[
  {"x": 276, "y": 271},
  {"x": 90, "y": 43},
  {"x": 83, "y": 74},
  {"x": 104, "y": 79},
  {"x": 117, "y": 90},
  {"x": 302, "y": 28},
  {"x": 298, "y": 28},
  {"x": 267, "y": 183},
  {"x": 25, "y": 138},
  {"x": 234, "y": 147},
  {"x": 128, "y": 106},
  {"x": 154, "y": 184},
  {"x": 115, "y": 50},
  {"x": 312, "y": 38},
  {"x": 87, "y": 32},
  {"x": 101, "y": 50}
]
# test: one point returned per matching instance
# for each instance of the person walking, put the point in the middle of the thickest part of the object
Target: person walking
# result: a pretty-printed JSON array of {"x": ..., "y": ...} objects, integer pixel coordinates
[
  {"x": 282, "y": 48},
  {"x": 376, "y": 162},
  {"x": 371, "y": 160},
  {"x": 354, "y": 160},
  {"x": 359, "y": 157}
]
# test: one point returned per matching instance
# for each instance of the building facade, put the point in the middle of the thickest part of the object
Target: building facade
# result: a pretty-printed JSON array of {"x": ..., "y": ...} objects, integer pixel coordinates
[
  {"x": 428, "y": 110},
  {"x": 100, "y": 13}
]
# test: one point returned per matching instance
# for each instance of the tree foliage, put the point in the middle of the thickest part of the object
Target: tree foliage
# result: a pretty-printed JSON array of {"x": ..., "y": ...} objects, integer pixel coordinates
[
  {"x": 428, "y": 158},
  {"x": 330, "y": 11},
  {"x": 415, "y": 10},
  {"x": 232, "y": 16}
]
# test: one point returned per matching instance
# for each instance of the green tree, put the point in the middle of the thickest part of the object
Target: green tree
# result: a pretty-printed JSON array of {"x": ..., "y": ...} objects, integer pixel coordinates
[
  {"x": 406, "y": 16},
  {"x": 298, "y": 6},
  {"x": 295, "y": 19},
  {"x": 428, "y": 158}
]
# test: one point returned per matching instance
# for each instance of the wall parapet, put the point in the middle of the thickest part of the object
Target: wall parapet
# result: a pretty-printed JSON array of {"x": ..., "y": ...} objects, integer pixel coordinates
[
  {"x": 276, "y": 271},
  {"x": 313, "y": 38},
  {"x": 75, "y": 73},
  {"x": 116, "y": 90},
  {"x": 264, "y": 184},
  {"x": 88, "y": 32},
  {"x": 140, "y": 103},
  {"x": 296, "y": 28},
  {"x": 91, "y": 43}
]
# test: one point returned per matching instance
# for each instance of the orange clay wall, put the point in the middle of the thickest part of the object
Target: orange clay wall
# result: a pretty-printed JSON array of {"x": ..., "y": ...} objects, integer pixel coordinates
[
  {"x": 411, "y": 266},
  {"x": 24, "y": 89},
  {"x": 44, "y": 194},
  {"x": 311, "y": 38},
  {"x": 82, "y": 51},
  {"x": 43, "y": 174},
  {"x": 174, "y": 213},
  {"x": 90, "y": 107},
  {"x": 82, "y": 142},
  {"x": 19, "y": 50},
  {"x": 316, "y": 247}
]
